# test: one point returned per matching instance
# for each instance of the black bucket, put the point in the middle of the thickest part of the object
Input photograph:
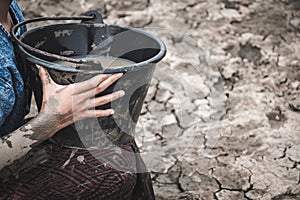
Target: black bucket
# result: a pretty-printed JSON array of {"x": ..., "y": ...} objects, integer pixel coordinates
[{"x": 46, "y": 44}]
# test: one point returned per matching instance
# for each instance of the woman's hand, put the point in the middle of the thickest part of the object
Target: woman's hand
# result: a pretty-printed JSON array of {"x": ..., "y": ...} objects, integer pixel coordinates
[{"x": 64, "y": 105}]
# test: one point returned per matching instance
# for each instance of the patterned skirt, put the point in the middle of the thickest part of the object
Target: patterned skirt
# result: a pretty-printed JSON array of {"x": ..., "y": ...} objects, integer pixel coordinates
[{"x": 54, "y": 172}]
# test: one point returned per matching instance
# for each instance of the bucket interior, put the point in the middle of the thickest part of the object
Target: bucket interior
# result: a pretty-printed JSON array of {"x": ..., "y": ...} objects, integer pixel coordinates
[{"x": 79, "y": 39}]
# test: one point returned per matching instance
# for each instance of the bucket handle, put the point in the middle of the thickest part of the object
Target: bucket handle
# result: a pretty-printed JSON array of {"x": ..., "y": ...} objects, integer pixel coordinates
[{"x": 90, "y": 17}]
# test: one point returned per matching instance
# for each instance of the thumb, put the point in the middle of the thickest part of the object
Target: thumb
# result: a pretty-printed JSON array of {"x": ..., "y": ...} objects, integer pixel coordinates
[{"x": 45, "y": 76}]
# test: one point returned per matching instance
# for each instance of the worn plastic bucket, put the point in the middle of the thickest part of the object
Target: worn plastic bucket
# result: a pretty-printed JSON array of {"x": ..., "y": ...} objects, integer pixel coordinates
[{"x": 46, "y": 44}]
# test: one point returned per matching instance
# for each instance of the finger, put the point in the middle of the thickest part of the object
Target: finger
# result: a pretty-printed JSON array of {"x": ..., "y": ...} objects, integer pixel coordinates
[
  {"x": 45, "y": 77},
  {"x": 99, "y": 101},
  {"x": 94, "y": 113},
  {"x": 101, "y": 87},
  {"x": 103, "y": 113},
  {"x": 90, "y": 83},
  {"x": 109, "y": 81}
]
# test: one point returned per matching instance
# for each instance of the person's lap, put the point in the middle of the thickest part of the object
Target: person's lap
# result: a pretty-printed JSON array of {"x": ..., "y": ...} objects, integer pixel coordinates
[{"x": 64, "y": 173}]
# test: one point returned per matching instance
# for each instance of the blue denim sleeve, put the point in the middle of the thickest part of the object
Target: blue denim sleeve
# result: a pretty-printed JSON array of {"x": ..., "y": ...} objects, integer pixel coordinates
[
  {"x": 7, "y": 94},
  {"x": 18, "y": 14},
  {"x": 14, "y": 98}
]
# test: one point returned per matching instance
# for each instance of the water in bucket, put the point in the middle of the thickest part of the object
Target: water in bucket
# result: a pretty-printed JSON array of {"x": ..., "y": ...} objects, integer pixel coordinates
[{"x": 99, "y": 61}]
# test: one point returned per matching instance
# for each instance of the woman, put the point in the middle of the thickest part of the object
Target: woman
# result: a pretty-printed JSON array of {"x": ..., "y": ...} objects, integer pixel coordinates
[{"x": 31, "y": 166}]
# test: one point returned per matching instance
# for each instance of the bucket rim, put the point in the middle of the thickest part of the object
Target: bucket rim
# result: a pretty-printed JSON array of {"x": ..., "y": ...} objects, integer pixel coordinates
[{"x": 136, "y": 66}]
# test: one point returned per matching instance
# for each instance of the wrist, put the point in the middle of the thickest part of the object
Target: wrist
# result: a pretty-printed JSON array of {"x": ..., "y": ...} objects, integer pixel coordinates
[{"x": 44, "y": 126}]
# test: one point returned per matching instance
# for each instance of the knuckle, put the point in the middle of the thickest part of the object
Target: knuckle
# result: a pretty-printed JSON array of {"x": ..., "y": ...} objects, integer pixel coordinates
[
  {"x": 100, "y": 88},
  {"x": 100, "y": 101},
  {"x": 87, "y": 84},
  {"x": 91, "y": 84}
]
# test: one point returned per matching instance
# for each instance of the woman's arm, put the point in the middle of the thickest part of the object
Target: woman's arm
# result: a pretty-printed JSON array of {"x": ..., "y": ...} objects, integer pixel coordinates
[{"x": 62, "y": 106}]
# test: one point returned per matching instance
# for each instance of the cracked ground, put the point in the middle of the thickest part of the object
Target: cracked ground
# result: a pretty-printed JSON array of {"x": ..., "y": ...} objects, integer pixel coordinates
[{"x": 222, "y": 116}]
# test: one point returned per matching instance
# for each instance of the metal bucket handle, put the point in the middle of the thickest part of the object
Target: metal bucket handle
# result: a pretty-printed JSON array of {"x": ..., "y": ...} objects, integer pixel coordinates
[{"x": 90, "y": 17}]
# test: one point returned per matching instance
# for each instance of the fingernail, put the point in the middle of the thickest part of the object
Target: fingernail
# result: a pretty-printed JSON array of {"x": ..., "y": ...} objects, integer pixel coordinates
[
  {"x": 112, "y": 112},
  {"x": 119, "y": 75},
  {"x": 121, "y": 93}
]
